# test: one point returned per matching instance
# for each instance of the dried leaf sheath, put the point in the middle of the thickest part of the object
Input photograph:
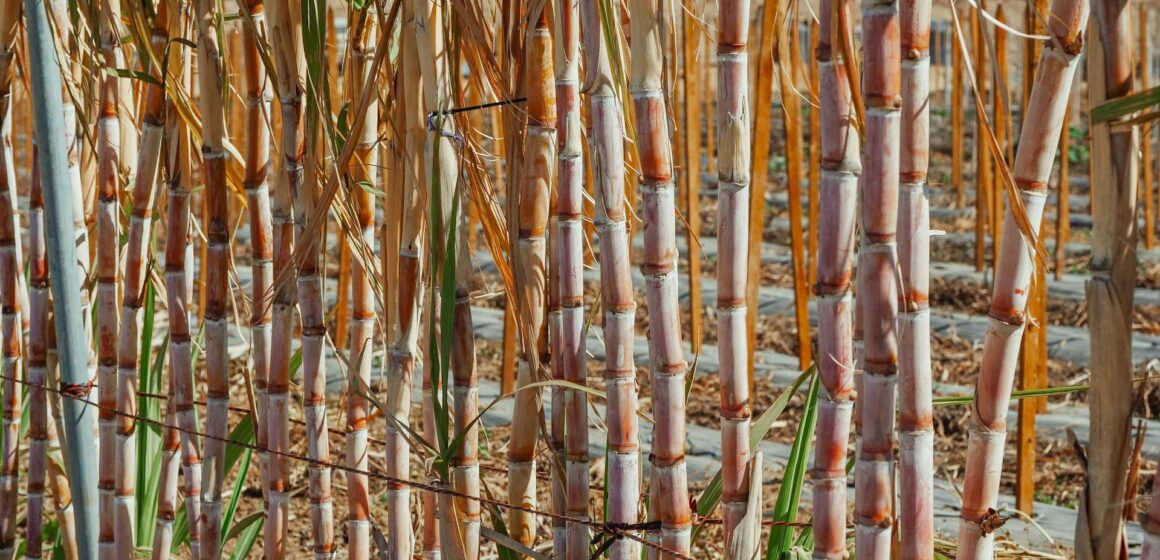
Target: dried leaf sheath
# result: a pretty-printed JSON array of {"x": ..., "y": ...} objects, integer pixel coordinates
[
  {"x": 531, "y": 269},
  {"x": 568, "y": 350},
  {"x": 1037, "y": 145},
  {"x": 840, "y": 167},
  {"x": 133, "y": 292},
  {"x": 1110, "y": 292},
  {"x": 659, "y": 267},
  {"x": 915, "y": 423},
  {"x": 733, "y": 172}
]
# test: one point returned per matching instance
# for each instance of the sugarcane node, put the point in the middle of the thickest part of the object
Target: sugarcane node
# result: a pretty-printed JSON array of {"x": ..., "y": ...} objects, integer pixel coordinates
[
  {"x": 1031, "y": 185},
  {"x": 991, "y": 521},
  {"x": 912, "y": 179},
  {"x": 863, "y": 520},
  {"x": 828, "y": 475},
  {"x": 888, "y": 102},
  {"x": 1015, "y": 318},
  {"x": 1073, "y": 46}
]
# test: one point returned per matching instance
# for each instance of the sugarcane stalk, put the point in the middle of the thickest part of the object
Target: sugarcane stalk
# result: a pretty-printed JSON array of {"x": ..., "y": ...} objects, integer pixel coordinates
[
  {"x": 305, "y": 84},
  {"x": 179, "y": 294},
  {"x": 48, "y": 111},
  {"x": 531, "y": 269},
  {"x": 133, "y": 291},
  {"x": 557, "y": 435},
  {"x": 915, "y": 418},
  {"x": 659, "y": 267},
  {"x": 167, "y": 484},
  {"x": 815, "y": 155},
  {"x": 108, "y": 218},
  {"x": 410, "y": 290},
  {"x": 362, "y": 325},
  {"x": 10, "y": 280},
  {"x": 1110, "y": 291},
  {"x": 837, "y": 203},
  {"x": 1032, "y": 170},
  {"x": 877, "y": 260},
  {"x": 284, "y": 35},
  {"x": 256, "y": 94},
  {"x": 606, "y": 147},
  {"x": 217, "y": 285},
  {"x": 569, "y": 351},
  {"x": 59, "y": 11},
  {"x": 733, "y": 175}
]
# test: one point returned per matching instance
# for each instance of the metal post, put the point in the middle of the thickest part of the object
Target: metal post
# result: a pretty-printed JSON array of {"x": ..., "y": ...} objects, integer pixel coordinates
[{"x": 79, "y": 417}]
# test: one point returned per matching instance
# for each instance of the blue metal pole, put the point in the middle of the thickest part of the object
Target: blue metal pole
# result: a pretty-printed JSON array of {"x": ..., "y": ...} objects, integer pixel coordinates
[{"x": 79, "y": 417}]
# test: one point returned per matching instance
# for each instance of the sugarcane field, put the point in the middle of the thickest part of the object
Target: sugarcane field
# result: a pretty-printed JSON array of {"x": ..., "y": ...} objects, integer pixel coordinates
[{"x": 579, "y": 279}]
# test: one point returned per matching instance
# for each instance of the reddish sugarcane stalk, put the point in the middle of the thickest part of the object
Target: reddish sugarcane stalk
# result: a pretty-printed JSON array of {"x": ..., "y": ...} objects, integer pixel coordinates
[
  {"x": 305, "y": 190},
  {"x": 217, "y": 286},
  {"x": 256, "y": 93},
  {"x": 179, "y": 296},
  {"x": 461, "y": 537},
  {"x": 837, "y": 200},
  {"x": 733, "y": 163},
  {"x": 531, "y": 268},
  {"x": 113, "y": 96},
  {"x": 915, "y": 422},
  {"x": 362, "y": 326},
  {"x": 10, "y": 280},
  {"x": 606, "y": 146},
  {"x": 312, "y": 312},
  {"x": 568, "y": 348},
  {"x": 659, "y": 267},
  {"x": 555, "y": 326},
  {"x": 44, "y": 453},
  {"x": 284, "y": 35},
  {"x": 430, "y": 543},
  {"x": 138, "y": 247},
  {"x": 167, "y": 493},
  {"x": 878, "y": 297},
  {"x": 411, "y": 248},
  {"x": 1038, "y": 138}
]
